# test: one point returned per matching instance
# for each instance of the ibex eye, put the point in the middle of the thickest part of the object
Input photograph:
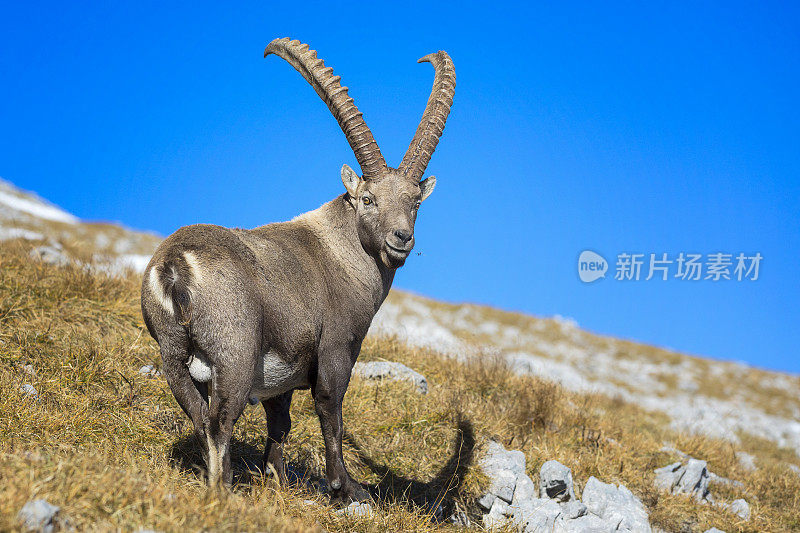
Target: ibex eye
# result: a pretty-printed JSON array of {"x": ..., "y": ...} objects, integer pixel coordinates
[{"x": 366, "y": 200}]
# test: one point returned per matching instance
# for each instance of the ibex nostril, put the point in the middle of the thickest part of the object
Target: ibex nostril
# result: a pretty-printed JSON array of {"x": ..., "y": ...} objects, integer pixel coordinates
[{"x": 403, "y": 235}]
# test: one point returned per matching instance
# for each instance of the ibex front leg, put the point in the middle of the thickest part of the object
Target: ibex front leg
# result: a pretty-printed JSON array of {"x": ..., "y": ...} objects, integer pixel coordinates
[{"x": 332, "y": 380}]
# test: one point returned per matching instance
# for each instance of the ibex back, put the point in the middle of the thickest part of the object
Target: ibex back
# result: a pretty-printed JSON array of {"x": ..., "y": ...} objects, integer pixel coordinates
[{"x": 255, "y": 314}]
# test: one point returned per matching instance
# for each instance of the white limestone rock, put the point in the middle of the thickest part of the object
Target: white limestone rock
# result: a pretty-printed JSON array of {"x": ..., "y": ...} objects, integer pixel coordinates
[
  {"x": 537, "y": 515},
  {"x": 524, "y": 490},
  {"x": 498, "y": 515},
  {"x": 616, "y": 504},
  {"x": 739, "y": 507},
  {"x": 39, "y": 515},
  {"x": 356, "y": 510},
  {"x": 380, "y": 370},
  {"x": 573, "y": 509},
  {"x": 746, "y": 461},
  {"x": 502, "y": 467},
  {"x": 555, "y": 482},
  {"x": 585, "y": 524}
]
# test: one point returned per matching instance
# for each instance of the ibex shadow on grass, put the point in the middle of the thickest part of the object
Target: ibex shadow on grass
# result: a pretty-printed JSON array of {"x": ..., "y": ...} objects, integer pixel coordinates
[{"x": 255, "y": 314}]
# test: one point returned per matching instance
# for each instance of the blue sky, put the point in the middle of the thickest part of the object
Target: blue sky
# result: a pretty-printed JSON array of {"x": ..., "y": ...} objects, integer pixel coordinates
[{"x": 612, "y": 127}]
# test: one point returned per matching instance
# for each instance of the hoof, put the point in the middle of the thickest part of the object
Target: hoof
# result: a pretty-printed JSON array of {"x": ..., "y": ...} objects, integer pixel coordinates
[{"x": 352, "y": 492}]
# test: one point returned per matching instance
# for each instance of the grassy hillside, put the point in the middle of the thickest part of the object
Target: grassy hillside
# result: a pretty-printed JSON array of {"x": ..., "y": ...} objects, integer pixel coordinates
[{"x": 111, "y": 447}]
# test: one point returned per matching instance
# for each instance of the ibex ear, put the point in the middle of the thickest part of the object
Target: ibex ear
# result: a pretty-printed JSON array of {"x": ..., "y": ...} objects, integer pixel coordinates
[
  {"x": 350, "y": 180},
  {"x": 426, "y": 186}
]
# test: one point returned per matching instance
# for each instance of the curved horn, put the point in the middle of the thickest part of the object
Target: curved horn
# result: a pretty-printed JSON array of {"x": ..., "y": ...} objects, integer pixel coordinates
[
  {"x": 432, "y": 124},
  {"x": 327, "y": 86}
]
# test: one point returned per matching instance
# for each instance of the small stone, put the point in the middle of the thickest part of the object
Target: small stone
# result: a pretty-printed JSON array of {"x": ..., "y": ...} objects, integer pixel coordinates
[
  {"x": 746, "y": 461},
  {"x": 740, "y": 508},
  {"x": 28, "y": 369},
  {"x": 149, "y": 370},
  {"x": 668, "y": 477},
  {"x": 524, "y": 490},
  {"x": 555, "y": 482},
  {"x": 713, "y": 530},
  {"x": 38, "y": 515},
  {"x": 49, "y": 255},
  {"x": 379, "y": 370},
  {"x": 694, "y": 480},
  {"x": 356, "y": 510},
  {"x": 30, "y": 390}
]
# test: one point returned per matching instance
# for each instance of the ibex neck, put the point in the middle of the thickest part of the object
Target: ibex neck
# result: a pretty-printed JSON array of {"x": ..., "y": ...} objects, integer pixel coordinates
[{"x": 335, "y": 225}]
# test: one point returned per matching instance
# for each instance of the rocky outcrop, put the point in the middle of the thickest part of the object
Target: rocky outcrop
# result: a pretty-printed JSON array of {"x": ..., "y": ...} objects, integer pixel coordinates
[
  {"x": 692, "y": 477},
  {"x": 557, "y": 350},
  {"x": 380, "y": 370},
  {"x": 512, "y": 498}
]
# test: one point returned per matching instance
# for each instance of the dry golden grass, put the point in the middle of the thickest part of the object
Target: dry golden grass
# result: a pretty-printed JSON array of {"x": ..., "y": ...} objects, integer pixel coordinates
[{"x": 113, "y": 450}]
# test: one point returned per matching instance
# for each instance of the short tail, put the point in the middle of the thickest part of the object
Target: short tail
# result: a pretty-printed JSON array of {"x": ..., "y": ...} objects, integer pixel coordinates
[{"x": 170, "y": 282}]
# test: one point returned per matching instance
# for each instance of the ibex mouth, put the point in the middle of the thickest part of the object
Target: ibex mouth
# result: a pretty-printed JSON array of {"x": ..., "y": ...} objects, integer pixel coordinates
[
  {"x": 398, "y": 251},
  {"x": 394, "y": 257}
]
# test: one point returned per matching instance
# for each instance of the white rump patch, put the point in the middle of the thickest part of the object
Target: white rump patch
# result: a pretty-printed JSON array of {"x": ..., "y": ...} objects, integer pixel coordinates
[
  {"x": 158, "y": 291},
  {"x": 199, "y": 368},
  {"x": 194, "y": 266},
  {"x": 273, "y": 376}
]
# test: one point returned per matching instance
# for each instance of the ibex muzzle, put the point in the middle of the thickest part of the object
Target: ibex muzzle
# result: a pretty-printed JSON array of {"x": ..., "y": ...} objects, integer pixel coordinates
[{"x": 255, "y": 314}]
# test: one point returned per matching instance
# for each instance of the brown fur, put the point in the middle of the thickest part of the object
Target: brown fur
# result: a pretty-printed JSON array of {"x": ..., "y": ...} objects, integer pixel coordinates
[{"x": 260, "y": 313}]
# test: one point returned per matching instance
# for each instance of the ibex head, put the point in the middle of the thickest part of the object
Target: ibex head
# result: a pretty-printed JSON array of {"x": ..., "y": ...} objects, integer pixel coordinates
[{"x": 384, "y": 200}]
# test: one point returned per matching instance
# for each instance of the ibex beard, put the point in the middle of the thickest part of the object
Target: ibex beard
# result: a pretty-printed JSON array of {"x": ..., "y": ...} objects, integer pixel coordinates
[{"x": 255, "y": 314}]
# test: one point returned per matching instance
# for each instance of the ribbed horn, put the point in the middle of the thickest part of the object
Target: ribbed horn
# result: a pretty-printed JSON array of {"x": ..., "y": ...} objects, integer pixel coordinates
[
  {"x": 327, "y": 86},
  {"x": 419, "y": 152}
]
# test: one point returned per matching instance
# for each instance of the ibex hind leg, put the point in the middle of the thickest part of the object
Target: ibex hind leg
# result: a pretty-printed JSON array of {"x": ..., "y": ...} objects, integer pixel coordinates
[
  {"x": 279, "y": 423},
  {"x": 228, "y": 393},
  {"x": 191, "y": 395}
]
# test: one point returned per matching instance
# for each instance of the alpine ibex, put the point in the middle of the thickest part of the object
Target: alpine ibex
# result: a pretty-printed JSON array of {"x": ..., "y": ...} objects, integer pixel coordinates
[{"x": 255, "y": 314}]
